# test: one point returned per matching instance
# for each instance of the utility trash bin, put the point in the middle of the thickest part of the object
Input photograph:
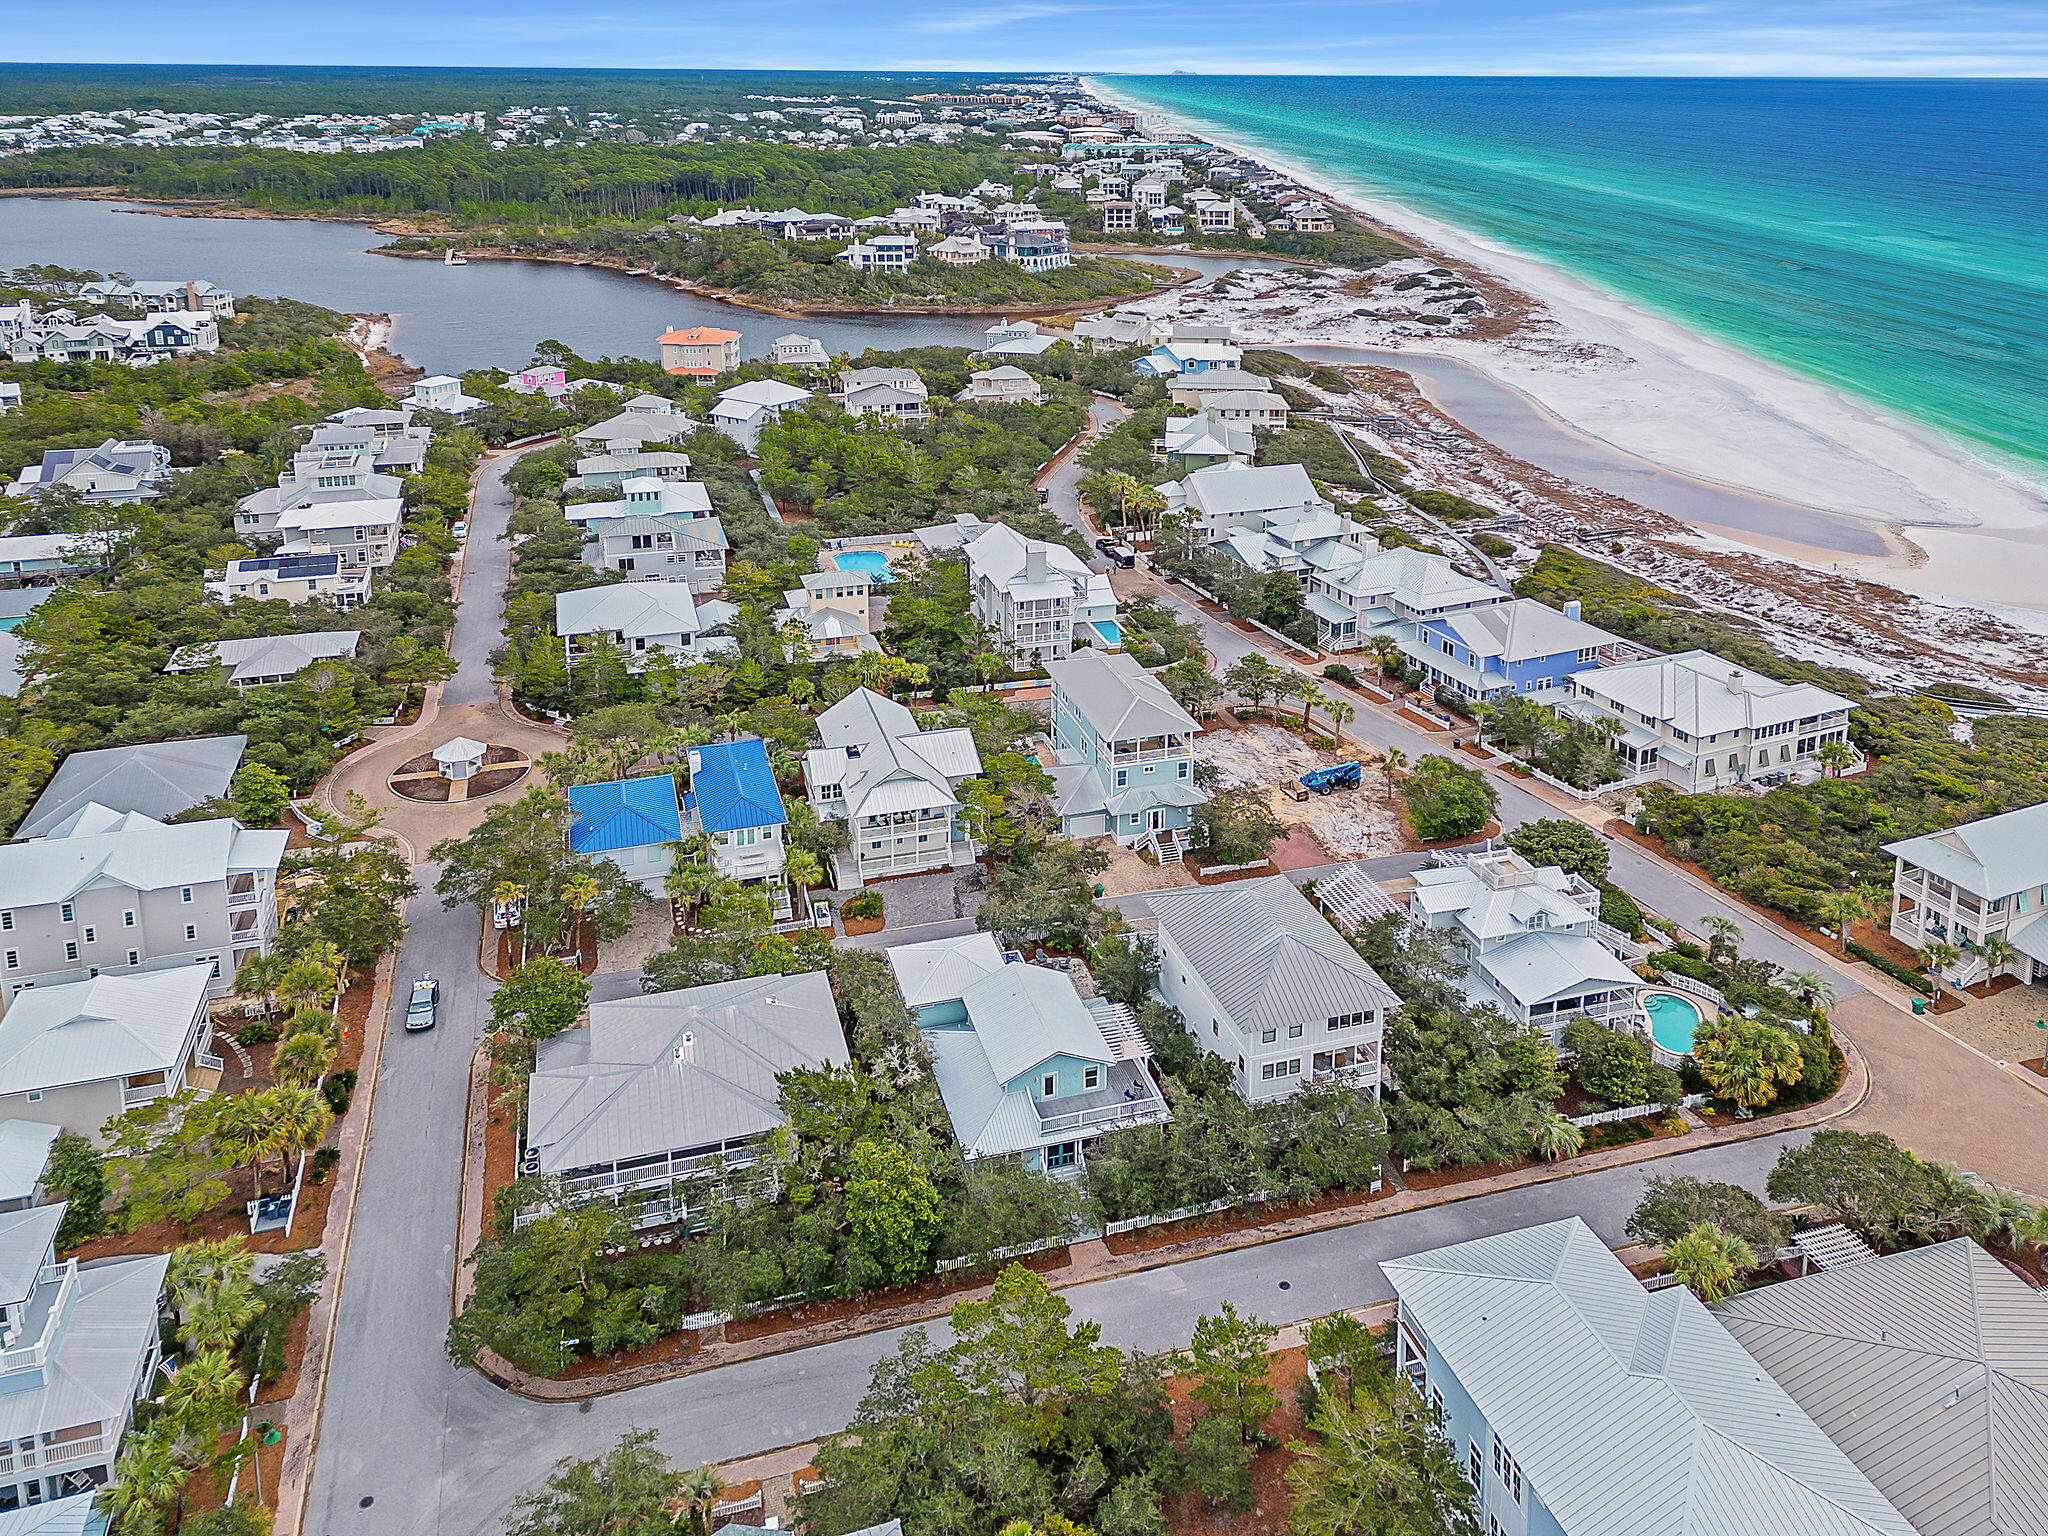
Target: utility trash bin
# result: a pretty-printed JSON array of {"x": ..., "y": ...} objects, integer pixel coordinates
[{"x": 1919, "y": 1005}]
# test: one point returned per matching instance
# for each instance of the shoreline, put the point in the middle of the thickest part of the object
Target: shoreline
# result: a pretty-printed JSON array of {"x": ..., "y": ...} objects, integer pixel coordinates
[
  {"x": 215, "y": 208},
  {"x": 1648, "y": 387}
]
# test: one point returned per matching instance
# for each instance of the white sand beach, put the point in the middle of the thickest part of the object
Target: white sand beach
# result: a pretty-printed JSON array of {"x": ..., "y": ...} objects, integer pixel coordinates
[{"x": 1687, "y": 404}]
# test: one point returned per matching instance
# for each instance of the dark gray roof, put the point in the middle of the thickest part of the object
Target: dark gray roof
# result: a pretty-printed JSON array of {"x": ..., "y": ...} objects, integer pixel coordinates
[
  {"x": 677, "y": 1071},
  {"x": 161, "y": 779},
  {"x": 1930, "y": 1369}
]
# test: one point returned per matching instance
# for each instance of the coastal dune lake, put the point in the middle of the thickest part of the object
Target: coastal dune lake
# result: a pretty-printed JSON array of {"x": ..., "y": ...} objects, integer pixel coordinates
[{"x": 488, "y": 314}]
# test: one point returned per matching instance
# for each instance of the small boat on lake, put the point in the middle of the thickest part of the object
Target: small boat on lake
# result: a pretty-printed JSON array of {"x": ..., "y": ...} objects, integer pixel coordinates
[{"x": 454, "y": 258}]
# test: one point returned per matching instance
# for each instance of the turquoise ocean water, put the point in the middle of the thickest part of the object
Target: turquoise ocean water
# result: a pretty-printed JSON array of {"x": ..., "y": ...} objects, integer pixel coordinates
[{"x": 1890, "y": 238}]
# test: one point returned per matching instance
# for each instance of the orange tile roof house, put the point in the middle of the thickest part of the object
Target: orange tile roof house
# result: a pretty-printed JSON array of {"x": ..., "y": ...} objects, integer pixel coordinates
[{"x": 702, "y": 351}]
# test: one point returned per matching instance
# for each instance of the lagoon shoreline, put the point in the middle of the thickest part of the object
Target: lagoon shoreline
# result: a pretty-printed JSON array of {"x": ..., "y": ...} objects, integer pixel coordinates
[{"x": 1959, "y": 528}]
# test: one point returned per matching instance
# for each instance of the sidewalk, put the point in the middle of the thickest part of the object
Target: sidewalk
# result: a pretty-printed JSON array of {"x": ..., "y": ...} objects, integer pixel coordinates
[{"x": 1091, "y": 1260}]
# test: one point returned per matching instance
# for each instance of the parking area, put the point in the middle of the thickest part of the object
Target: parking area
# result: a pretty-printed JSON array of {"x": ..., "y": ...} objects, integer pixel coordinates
[{"x": 1359, "y": 823}]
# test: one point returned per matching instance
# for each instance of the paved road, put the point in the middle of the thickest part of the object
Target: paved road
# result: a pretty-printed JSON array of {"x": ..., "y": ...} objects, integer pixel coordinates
[
  {"x": 1063, "y": 497},
  {"x": 444, "y": 1452},
  {"x": 486, "y": 572}
]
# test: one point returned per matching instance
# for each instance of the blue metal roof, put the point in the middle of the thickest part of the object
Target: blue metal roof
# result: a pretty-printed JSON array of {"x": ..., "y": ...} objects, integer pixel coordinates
[
  {"x": 628, "y": 813},
  {"x": 732, "y": 786}
]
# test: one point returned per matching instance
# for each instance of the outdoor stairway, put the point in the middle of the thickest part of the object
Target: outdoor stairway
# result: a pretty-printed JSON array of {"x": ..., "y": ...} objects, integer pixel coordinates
[{"x": 1166, "y": 844}]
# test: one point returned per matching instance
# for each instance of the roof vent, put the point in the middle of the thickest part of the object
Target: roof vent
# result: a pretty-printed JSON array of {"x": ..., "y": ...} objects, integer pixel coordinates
[{"x": 686, "y": 1048}]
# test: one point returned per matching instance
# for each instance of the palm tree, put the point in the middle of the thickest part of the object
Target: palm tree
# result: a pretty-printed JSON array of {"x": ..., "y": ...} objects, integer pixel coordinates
[
  {"x": 1938, "y": 957},
  {"x": 213, "y": 1318},
  {"x": 1835, "y": 756},
  {"x": 1999, "y": 952},
  {"x": 2008, "y": 1217},
  {"x": 1840, "y": 910},
  {"x": 1724, "y": 937},
  {"x": 696, "y": 1495},
  {"x": 303, "y": 1058},
  {"x": 803, "y": 870},
  {"x": 1393, "y": 760},
  {"x": 1311, "y": 697},
  {"x": 209, "y": 1377},
  {"x": 579, "y": 891},
  {"x": 259, "y": 977},
  {"x": 988, "y": 666},
  {"x": 1340, "y": 712},
  {"x": 2033, "y": 1231},
  {"x": 1557, "y": 1137},
  {"x": 148, "y": 1483},
  {"x": 299, "y": 1117},
  {"x": 1708, "y": 1260},
  {"x": 1811, "y": 988},
  {"x": 242, "y": 1134},
  {"x": 194, "y": 1265},
  {"x": 1383, "y": 651}
]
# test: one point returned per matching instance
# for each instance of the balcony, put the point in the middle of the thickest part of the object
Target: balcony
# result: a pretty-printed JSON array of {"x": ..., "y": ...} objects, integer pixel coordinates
[
  {"x": 43, "y": 1322},
  {"x": 1129, "y": 1099}
]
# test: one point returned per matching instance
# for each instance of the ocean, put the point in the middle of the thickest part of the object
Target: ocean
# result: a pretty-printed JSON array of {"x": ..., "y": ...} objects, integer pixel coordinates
[{"x": 1888, "y": 238}]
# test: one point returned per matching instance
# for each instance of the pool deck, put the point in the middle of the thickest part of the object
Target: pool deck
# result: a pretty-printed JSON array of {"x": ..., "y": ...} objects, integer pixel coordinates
[{"x": 1662, "y": 1051}]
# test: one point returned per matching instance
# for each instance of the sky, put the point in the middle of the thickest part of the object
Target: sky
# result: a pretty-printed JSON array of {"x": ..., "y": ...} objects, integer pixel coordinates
[{"x": 1429, "y": 37}]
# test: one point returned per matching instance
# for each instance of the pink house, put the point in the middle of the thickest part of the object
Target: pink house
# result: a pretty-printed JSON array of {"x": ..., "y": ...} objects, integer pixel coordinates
[{"x": 552, "y": 382}]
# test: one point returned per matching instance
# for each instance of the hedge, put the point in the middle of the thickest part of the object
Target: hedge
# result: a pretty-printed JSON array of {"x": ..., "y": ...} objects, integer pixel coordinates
[{"x": 1891, "y": 968}]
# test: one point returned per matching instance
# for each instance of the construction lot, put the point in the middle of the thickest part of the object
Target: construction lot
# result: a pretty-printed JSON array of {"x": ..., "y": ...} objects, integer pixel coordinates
[{"x": 1357, "y": 823}]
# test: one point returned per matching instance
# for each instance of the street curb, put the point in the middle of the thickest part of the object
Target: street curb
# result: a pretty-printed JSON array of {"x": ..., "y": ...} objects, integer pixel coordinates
[{"x": 1846, "y": 1099}]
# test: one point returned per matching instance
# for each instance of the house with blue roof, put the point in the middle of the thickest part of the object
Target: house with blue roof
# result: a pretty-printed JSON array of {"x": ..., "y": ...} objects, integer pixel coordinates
[
  {"x": 733, "y": 799},
  {"x": 629, "y": 823}
]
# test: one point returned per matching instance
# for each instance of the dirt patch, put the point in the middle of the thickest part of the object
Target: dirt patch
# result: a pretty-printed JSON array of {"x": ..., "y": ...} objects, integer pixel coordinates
[
  {"x": 511, "y": 957},
  {"x": 1189, "y": 1514},
  {"x": 1350, "y": 824},
  {"x": 1129, "y": 871}
]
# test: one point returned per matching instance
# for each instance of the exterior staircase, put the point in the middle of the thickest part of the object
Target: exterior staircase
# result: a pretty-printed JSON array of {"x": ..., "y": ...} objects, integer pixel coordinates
[{"x": 1166, "y": 845}]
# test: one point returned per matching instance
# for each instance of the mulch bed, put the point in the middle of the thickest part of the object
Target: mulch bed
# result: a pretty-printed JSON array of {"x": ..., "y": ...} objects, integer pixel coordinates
[
  {"x": 434, "y": 790},
  {"x": 784, "y": 1320},
  {"x": 856, "y": 927},
  {"x": 491, "y": 780},
  {"x": 1422, "y": 720},
  {"x": 1189, "y": 1514},
  {"x": 509, "y": 959}
]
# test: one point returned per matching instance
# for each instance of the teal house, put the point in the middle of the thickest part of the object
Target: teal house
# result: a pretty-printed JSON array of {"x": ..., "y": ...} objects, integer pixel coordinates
[
  {"x": 1026, "y": 1067},
  {"x": 1124, "y": 754}
]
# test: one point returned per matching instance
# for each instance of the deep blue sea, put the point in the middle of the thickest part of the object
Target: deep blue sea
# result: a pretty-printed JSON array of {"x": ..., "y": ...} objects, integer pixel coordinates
[{"x": 1890, "y": 238}]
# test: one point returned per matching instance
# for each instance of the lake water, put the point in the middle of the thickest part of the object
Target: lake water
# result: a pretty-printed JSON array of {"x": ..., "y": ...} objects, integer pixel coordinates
[{"x": 489, "y": 314}]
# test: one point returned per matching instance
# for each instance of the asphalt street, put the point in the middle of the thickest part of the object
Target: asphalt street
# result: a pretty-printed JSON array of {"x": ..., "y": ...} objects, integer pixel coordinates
[{"x": 409, "y": 1444}]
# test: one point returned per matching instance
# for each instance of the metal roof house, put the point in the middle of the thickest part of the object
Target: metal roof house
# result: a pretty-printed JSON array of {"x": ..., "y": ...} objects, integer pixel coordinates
[
  {"x": 261, "y": 660},
  {"x": 1025, "y": 1066},
  {"x": 161, "y": 779},
  {"x": 1581, "y": 1404},
  {"x": 1123, "y": 754},
  {"x": 894, "y": 785},
  {"x": 24, "y": 1158},
  {"x": 1929, "y": 1368},
  {"x": 642, "y": 618},
  {"x": 742, "y": 411},
  {"x": 629, "y": 823},
  {"x": 1519, "y": 646},
  {"x": 674, "y": 1086},
  {"x": 734, "y": 799},
  {"x": 80, "y": 1053},
  {"x": 74, "y": 1515},
  {"x": 1983, "y": 880},
  {"x": 1262, "y": 980},
  {"x": 80, "y": 1352},
  {"x": 1038, "y": 599},
  {"x": 1532, "y": 941}
]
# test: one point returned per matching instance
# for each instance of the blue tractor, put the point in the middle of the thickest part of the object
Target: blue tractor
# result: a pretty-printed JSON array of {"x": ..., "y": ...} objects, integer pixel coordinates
[{"x": 1336, "y": 776}]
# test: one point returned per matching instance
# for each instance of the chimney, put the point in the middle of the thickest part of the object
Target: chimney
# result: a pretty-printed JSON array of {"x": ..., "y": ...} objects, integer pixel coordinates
[
  {"x": 191, "y": 296},
  {"x": 1035, "y": 569},
  {"x": 1735, "y": 683},
  {"x": 1572, "y": 609},
  {"x": 686, "y": 1048}
]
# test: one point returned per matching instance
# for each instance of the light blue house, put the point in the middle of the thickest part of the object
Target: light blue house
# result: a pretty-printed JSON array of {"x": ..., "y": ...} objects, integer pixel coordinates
[
  {"x": 1026, "y": 1067},
  {"x": 1581, "y": 1404},
  {"x": 1519, "y": 646},
  {"x": 1172, "y": 359},
  {"x": 629, "y": 823},
  {"x": 1124, "y": 754}
]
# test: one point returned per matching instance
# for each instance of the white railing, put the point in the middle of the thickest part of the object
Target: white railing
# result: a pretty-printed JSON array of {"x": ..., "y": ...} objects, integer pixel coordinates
[
  {"x": 209, "y": 1061},
  {"x": 1637, "y": 1111},
  {"x": 31, "y": 1357},
  {"x": 130, "y": 1097},
  {"x": 58, "y": 1454},
  {"x": 1598, "y": 789},
  {"x": 1678, "y": 983},
  {"x": 1147, "y": 1111},
  {"x": 243, "y": 898},
  {"x": 1628, "y": 949}
]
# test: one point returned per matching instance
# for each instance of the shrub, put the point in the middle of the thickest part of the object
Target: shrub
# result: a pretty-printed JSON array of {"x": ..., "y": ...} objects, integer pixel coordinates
[
  {"x": 1447, "y": 799},
  {"x": 324, "y": 1161},
  {"x": 861, "y": 906},
  {"x": 1336, "y": 671},
  {"x": 1891, "y": 968},
  {"x": 257, "y": 1032},
  {"x": 1619, "y": 910},
  {"x": 338, "y": 1089}
]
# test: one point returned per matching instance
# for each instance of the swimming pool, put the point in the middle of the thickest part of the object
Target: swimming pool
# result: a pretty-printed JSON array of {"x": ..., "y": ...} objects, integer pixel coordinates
[
  {"x": 1672, "y": 1020},
  {"x": 1112, "y": 633},
  {"x": 874, "y": 561}
]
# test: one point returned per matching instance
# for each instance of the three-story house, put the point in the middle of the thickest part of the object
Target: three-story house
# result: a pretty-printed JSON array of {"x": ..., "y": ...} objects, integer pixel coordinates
[{"x": 1124, "y": 754}]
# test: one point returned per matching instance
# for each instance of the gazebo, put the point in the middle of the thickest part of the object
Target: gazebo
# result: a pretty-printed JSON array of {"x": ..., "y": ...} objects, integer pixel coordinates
[{"x": 459, "y": 759}]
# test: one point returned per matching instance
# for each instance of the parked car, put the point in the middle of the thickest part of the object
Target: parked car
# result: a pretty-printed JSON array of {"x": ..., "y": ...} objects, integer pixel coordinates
[
  {"x": 421, "y": 1006},
  {"x": 460, "y": 528},
  {"x": 1117, "y": 554}
]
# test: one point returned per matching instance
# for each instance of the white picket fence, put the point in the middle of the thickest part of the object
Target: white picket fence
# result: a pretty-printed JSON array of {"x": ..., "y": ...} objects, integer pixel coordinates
[
  {"x": 1636, "y": 1111},
  {"x": 1678, "y": 983},
  {"x": 1596, "y": 791}
]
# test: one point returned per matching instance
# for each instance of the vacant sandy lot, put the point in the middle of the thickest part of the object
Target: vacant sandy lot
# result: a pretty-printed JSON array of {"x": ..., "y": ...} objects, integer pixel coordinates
[{"x": 1352, "y": 823}]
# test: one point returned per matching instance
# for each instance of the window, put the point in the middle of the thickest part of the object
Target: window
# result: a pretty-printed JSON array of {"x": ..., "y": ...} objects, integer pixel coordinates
[
  {"x": 6, "y": 921},
  {"x": 90, "y": 936},
  {"x": 1347, "y": 1021},
  {"x": 1294, "y": 1031},
  {"x": 135, "y": 957},
  {"x": 128, "y": 919},
  {"x": 185, "y": 893},
  {"x": 1473, "y": 1464},
  {"x": 14, "y": 959},
  {"x": 1122, "y": 778},
  {"x": 34, "y": 1095},
  {"x": 1504, "y": 1468},
  {"x": 191, "y": 931},
  {"x": 1061, "y": 1155},
  {"x": 70, "y": 950},
  {"x": 65, "y": 912},
  {"x": 1268, "y": 1036},
  {"x": 1049, "y": 1085},
  {"x": 1091, "y": 1077},
  {"x": 1187, "y": 769}
]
